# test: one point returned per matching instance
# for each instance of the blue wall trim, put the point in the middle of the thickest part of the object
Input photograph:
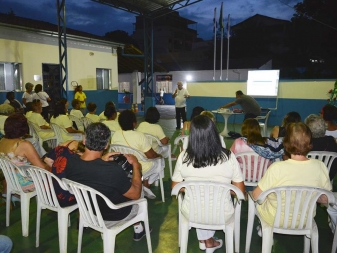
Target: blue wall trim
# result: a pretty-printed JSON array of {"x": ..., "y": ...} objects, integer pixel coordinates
[{"x": 303, "y": 106}]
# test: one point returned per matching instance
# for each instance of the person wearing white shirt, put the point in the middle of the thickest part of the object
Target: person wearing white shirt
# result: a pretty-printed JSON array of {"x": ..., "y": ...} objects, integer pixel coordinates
[
  {"x": 180, "y": 96},
  {"x": 44, "y": 98}
]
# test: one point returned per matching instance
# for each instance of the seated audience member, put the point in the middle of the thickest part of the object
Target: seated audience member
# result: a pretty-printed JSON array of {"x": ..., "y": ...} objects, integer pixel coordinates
[
  {"x": 215, "y": 164},
  {"x": 29, "y": 109},
  {"x": 57, "y": 159},
  {"x": 320, "y": 142},
  {"x": 6, "y": 244},
  {"x": 186, "y": 126},
  {"x": 10, "y": 99},
  {"x": 44, "y": 98},
  {"x": 150, "y": 126},
  {"x": 60, "y": 118},
  {"x": 102, "y": 116},
  {"x": 18, "y": 150},
  {"x": 329, "y": 113},
  {"x": 76, "y": 109},
  {"x": 27, "y": 95},
  {"x": 296, "y": 171},
  {"x": 137, "y": 140},
  {"x": 252, "y": 140},
  {"x": 38, "y": 120},
  {"x": 280, "y": 131},
  {"x": 92, "y": 107},
  {"x": 209, "y": 115},
  {"x": 111, "y": 115},
  {"x": 5, "y": 111},
  {"x": 106, "y": 176}
]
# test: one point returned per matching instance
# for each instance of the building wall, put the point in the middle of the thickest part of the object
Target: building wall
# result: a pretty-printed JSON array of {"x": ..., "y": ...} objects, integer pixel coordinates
[
  {"x": 305, "y": 97},
  {"x": 32, "y": 50}
]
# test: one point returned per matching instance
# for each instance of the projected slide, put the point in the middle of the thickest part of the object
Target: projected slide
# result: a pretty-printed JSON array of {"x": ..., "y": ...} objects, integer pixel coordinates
[{"x": 263, "y": 83}]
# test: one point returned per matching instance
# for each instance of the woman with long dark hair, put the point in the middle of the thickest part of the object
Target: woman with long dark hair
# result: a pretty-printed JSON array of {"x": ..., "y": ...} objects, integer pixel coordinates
[{"x": 206, "y": 160}]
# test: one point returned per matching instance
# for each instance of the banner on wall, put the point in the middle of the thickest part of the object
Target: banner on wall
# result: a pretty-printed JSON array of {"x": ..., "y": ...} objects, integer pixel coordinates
[{"x": 164, "y": 83}]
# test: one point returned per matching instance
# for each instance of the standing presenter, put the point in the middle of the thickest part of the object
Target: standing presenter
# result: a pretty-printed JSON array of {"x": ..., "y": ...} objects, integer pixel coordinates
[
  {"x": 249, "y": 105},
  {"x": 180, "y": 96}
]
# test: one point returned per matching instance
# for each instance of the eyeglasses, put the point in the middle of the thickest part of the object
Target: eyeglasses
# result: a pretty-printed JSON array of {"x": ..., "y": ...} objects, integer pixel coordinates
[{"x": 36, "y": 100}]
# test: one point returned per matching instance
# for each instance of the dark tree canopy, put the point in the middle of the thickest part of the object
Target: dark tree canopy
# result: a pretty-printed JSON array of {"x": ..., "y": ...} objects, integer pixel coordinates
[{"x": 120, "y": 36}]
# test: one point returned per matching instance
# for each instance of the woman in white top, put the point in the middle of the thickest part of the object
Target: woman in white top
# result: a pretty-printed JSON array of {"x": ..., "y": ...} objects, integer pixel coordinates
[
  {"x": 206, "y": 160},
  {"x": 44, "y": 99},
  {"x": 27, "y": 96}
]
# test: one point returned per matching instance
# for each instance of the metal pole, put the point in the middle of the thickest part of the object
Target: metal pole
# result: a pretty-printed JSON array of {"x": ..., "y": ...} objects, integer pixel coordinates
[
  {"x": 214, "y": 57},
  {"x": 228, "y": 35}
]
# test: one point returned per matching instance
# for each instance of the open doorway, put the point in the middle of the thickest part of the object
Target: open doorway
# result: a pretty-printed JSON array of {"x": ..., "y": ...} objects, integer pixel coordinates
[{"x": 51, "y": 83}]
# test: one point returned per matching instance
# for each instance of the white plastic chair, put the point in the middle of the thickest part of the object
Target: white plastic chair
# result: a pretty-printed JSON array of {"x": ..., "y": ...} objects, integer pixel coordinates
[
  {"x": 253, "y": 167},
  {"x": 208, "y": 213},
  {"x": 263, "y": 122},
  {"x": 37, "y": 130},
  {"x": 13, "y": 187},
  {"x": 78, "y": 122},
  {"x": 178, "y": 142},
  {"x": 141, "y": 157},
  {"x": 90, "y": 215},
  {"x": 297, "y": 204},
  {"x": 166, "y": 148},
  {"x": 86, "y": 122},
  {"x": 325, "y": 156},
  {"x": 58, "y": 133},
  {"x": 47, "y": 199}
]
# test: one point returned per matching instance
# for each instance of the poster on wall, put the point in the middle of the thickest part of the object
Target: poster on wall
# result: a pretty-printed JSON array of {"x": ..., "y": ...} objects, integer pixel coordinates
[
  {"x": 164, "y": 82},
  {"x": 123, "y": 87}
]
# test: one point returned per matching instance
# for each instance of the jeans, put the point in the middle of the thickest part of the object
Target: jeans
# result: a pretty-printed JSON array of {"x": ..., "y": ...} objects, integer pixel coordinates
[{"x": 5, "y": 244}]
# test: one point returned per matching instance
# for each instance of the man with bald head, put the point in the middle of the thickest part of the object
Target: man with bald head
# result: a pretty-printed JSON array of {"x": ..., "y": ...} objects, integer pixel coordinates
[{"x": 180, "y": 96}]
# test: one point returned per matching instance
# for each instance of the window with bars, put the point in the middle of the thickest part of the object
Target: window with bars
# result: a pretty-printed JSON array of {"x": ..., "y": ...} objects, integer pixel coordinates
[
  {"x": 10, "y": 76},
  {"x": 103, "y": 79}
]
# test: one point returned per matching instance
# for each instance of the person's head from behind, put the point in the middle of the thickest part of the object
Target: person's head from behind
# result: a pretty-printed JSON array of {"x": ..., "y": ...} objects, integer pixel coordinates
[
  {"x": 127, "y": 120},
  {"x": 92, "y": 107},
  {"x": 297, "y": 140},
  {"x": 252, "y": 131},
  {"x": 196, "y": 111},
  {"x": 29, "y": 107},
  {"x": 109, "y": 103},
  {"x": 29, "y": 87},
  {"x": 97, "y": 137},
  {"x": 291, "y": 117},
  {"x": 10, "y": 96},
  {"x": 16, "y": 126},
  {"x": 60, "y": 108},
  {"x": 110, "y": 112},
  {"x": 37, "y": 106},
  {"x": 204, "y": 145},
  {"x": 208, "y": 114},
  {"x": 329, "y": 112},
  {"x": 6, "y": 109},
  {"x": 38, "y": 88},
  {"x": 316, "y": 124},
  {"x": 66, "y": 103},
  {"x": 238, "y": 93},
  {"x": 152, "y": 115},
  {"x": 76, "y": 104}
]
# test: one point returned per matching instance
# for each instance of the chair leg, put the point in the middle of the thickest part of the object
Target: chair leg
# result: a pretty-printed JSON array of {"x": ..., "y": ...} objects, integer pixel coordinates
[
  {"x": 80, "y": 234},
  {"x": 250, "y": 223},
  {"x": 109, "y": 240},
  {"x": 229, "y": 234},
  {"x": 170, "y": 164},
  {"x": 237, "y": 227},
  {"x": 8, "y": 206},
  {"x": 148, "y": 236},
  {"x": 334, "y": 243},
  {"x": 25, "y": 202},
  {"x": 62, "y": 220},
  {"x": 38, "y": 222},
  {"x": 314, "y": 240},
  {"x": 162, "y": 189},
  {"x": 184, "y": 235},
  {"x": 267, "y": 239}
]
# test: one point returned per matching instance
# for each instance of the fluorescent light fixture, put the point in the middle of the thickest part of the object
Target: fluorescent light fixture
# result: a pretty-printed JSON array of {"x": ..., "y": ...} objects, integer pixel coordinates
[
  {"x": 37, "y": 78},
  {"x": 188, "y": 78}
]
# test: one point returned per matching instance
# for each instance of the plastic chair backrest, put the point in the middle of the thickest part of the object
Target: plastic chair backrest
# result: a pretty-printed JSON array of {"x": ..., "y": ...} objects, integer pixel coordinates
[
  {"x": 128, "y": 150},
  {"x": 325, "y": 156},
  {"x": 86, "y": 198},
  {"x": 44, "y": 185},
  {"x": 57, "y": 129},
  {"x": 295, "y": 204},
  {"x": 86, "y": 122},
  {"x": 10, "y": 170},
  {"x": 32, "y": 130},
  {"x": 253, "y": 167},
  {"x": 78, "y": 122},
  {"x": 210, "y": 200}
]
